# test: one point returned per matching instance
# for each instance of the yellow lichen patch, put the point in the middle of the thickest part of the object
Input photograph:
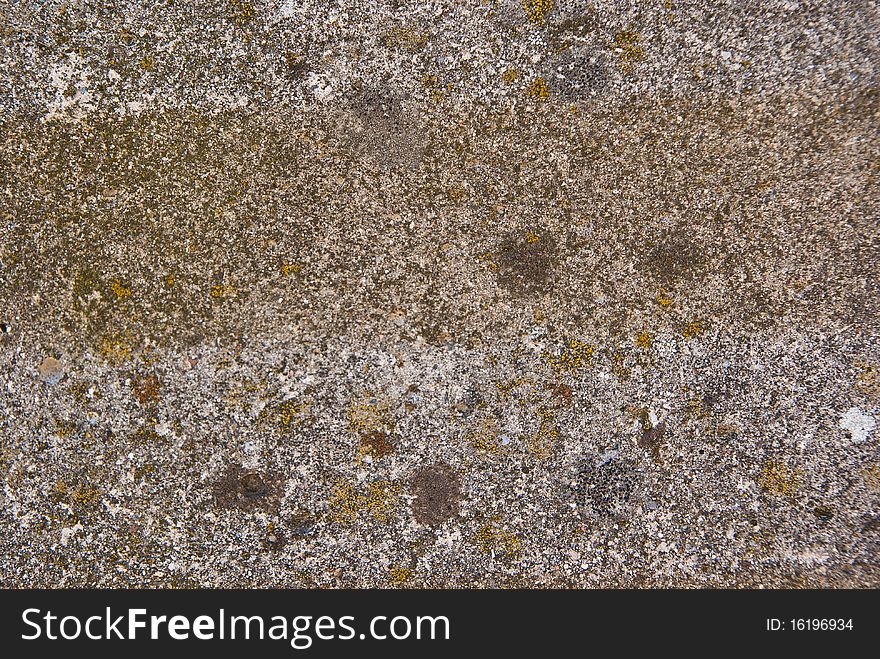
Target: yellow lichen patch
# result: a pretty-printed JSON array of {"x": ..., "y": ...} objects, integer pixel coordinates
[
  {"x": 64, "y": 428},
  {"x": 378, "y": 501},
  {"x": 868, "y": 379},
  {"x": 536, "y": 10},
  {"x": 344, "y": 502},
  {"x": 510, "y": 75},
  {"x": 398, "y": 576},
  {"x": 456, "y": 193},
  {"x": 872, "y": 476},
  {"x": 575, "y": 356},
  {"x": 776, "y": 478},
  {"x": 626, "y": 45},
  {"x": 542, "y": 442},
  {"x": 532, "y": 237},
  {"x": 644, "y": 339},
  {"x": 434, "y": 86},
  {"x": 488, "y": 259},
  {"x": 381, "y": 499},
  {"x": 695, "y": 408},
  {"x": 492, "y": 538},
  {"x": 369, "y": 415},
  {"x": 664, "y": 300},
  {"x": 241, "y": 11},
  {"x": 221, "y": 290},
  {"x": 504, "y": 388},
  {"x": 82, "y": 497},
  {"x": 692, "y": 329},
  {"x": 484, "y": 437},
  {"x": 120, "y": 289},
  {"x": 169, "y": 280},
  {"x": 404, "y": 37},
  {"x": 116, "y": 347},
  {"x": 538, "y": 88},
  {"x": 288, "y": 414},
  {"x": 290, "y": 268},
  {"x": 619, "y": 367},
  {"x": 147, "y": 63}
]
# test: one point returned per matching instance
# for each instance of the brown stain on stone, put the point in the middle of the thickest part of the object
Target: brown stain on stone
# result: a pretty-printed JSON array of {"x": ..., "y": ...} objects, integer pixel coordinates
[
  {"x": 561, "y": 392},
  {"x": 437, "y": 492},
  {"x": 246, "y": 490},
  {"x": 652, "y": 439},
  {"x": 146, "y": 389},
  {"x": 376, "y": 444},
  {"x": 527, "y": 262}
]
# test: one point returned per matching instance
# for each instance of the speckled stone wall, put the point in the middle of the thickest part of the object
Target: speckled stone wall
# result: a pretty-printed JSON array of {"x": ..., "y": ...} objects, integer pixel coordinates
[{"x": 416, "y": 294}]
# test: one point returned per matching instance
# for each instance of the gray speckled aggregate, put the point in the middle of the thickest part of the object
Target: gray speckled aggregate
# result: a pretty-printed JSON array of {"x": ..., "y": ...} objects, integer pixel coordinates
[{"x": 411, "y": 294}]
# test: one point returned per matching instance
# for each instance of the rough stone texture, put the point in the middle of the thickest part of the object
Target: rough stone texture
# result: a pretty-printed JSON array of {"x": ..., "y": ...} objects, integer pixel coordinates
[{"x": 613, "y": 264}]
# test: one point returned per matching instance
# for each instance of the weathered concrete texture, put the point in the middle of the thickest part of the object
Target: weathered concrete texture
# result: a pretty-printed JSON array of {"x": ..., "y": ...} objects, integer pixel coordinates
[{"x": 419, "y": 294}]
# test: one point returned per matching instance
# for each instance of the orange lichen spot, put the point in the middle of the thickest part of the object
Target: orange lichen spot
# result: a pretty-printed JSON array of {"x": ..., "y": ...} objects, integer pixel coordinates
[
  {"x": 538, "y": 88},
  {"x": 776, "y": 478},
  {"x": 536, "y": 10},
  {"x": 146, "y": 389}
]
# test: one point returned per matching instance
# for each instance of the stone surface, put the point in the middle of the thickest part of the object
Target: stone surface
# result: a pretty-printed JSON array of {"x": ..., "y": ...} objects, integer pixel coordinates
[{"x": 558, "y": 294}]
